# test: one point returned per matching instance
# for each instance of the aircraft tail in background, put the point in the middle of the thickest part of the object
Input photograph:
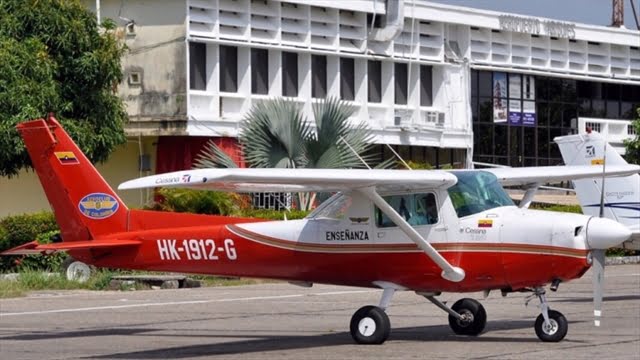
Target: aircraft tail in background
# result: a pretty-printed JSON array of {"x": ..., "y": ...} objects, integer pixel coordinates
[
  {"x": 621, "y": 194},
  {"x": 85, "y": 206}
]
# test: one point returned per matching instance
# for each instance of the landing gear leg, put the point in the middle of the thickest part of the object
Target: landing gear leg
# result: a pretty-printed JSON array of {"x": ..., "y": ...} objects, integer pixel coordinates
[
  {"x": 466, "y": 316},
  {"x": 551, "y": 325},
  {"x": 370, "y": 324}
]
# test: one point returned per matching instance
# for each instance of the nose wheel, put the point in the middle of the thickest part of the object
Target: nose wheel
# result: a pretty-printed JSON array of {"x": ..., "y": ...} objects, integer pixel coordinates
[{"x": 551, "y": 325}]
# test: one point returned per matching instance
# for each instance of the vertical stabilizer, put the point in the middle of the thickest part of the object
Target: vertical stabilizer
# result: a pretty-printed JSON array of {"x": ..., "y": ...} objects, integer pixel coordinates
[
  {"x": 621, "y": 194},
  {"x": 84, "y": 204}
]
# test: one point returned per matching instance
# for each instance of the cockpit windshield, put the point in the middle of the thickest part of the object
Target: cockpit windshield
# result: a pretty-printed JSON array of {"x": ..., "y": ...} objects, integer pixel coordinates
[{"x": 477, "y": 191}]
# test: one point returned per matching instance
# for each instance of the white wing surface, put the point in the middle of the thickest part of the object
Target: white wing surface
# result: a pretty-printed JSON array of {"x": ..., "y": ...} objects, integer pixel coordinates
[
  {"x": 550, "y": 174},
  {"x": 296, "y": 180}
]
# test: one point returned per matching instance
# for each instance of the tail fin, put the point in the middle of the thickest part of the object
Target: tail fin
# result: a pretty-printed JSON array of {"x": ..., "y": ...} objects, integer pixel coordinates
[
  {"x": 84, "y": 204},
  {"x": 622, "y": 194}
]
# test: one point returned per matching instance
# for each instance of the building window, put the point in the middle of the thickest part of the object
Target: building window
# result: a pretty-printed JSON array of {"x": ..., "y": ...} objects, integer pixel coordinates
[
  {"x": 259, "y": 71},
  {"x": 401, "y": 84},
  {"x": 347, "y": 83},
  {"x": 197, "y": 66},
  {"x": 375, "y": 81},
  {"x": 319, "y": 76},
  {"x": 426, "y": 86},
  {"x": 289, "y": 74},
  {"x": 228, "y": 68}
]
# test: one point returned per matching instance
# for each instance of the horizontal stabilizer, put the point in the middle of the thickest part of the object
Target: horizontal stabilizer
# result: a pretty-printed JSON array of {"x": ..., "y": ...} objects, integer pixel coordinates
[{"x": 35, "y": 248}]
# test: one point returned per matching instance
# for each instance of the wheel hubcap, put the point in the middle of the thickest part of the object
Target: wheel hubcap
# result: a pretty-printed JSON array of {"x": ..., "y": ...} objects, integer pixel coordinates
[
  {"x": 551, "y": 327},
  {"x": 466, "y": 318},
  {"x": 367, "y": 326},
  {"x": 78, "y": 271}
]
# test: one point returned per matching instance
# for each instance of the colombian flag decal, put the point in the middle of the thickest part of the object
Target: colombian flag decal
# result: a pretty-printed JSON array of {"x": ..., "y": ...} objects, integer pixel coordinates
[
  {"x": 66, "y": 157},
  {"x": 485, "y": 223}
]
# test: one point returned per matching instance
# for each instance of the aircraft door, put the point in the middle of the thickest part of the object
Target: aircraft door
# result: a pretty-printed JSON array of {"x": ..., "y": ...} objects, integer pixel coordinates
[{"x": 420, "y": 210}]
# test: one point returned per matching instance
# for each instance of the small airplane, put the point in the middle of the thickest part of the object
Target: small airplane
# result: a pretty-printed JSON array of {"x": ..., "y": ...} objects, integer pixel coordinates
[{"x": 424, "y": 231}]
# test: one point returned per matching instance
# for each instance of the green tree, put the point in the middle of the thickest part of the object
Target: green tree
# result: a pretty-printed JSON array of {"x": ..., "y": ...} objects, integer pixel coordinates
[
  {"x": 632, "y": 146},
  {"x": 55, "y": 58},
  {"x": 276, "y": 134}
]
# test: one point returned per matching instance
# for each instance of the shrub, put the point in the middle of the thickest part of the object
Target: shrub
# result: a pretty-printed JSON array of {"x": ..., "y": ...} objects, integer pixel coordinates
[
  {"x": 20, "y": 229},
  {"x": 51, "y": 262},
  {"x": 274, "y": 214},
  {"x": 199, "y": 201}
]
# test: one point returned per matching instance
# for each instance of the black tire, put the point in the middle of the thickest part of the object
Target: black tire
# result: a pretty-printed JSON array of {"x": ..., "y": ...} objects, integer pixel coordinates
[
  {"x": 475, "y": 317},
  {"x": 558, "y": 329},
  {"x": 370, "y": 325}
]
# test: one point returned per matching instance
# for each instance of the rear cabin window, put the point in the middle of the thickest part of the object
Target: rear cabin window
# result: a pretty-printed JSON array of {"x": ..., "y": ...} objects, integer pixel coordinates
[{"x": 416, "y": 209}]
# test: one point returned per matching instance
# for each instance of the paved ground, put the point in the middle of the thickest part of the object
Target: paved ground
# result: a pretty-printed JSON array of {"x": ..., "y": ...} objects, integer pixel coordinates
[{"x": 286, "y": 322}]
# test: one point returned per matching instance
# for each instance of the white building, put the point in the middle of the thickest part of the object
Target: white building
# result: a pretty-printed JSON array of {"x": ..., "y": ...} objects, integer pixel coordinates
[{"x": 440, "y": 84}]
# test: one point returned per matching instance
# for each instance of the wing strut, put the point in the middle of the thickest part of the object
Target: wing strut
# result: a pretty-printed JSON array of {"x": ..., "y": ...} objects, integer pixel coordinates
[{"x": 449, "y": 272}]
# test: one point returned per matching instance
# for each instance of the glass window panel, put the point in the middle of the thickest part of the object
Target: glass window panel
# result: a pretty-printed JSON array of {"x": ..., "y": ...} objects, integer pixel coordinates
[
  {"x": 259, "y": 71},
  {"x": 613, "y": 109},
  {"x": 197, "y": 66},
  {"x": 554, "y": 151},
  {"x": 501, "y": 139},
  {"x": 474, "y": 83},
  {"x": 485, "y": 108},
  {"x": 318, "y": 76},
  {"x": 401, "y": 84},
  {"x": 483, "y": 139},
  {"x": 347, "y": 87},
  {"x": 485, "y": 84},
  {"x": 289, "y": 74},
  {"x": 228, "y": 68},
  {"x": 374, "y": 70},
  {"x": 530, "y": 141},
  {"x": 555, "y": 115},
  {"x": 426, "y": 85},
  {"x": 542, "y": 88},
  {"x": 543, "y": 143},
  {"x": 569, "y": 117}
]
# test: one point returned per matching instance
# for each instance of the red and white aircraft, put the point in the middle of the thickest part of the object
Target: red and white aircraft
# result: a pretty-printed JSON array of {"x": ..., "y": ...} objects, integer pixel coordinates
[{"x": 422, "y": 231}]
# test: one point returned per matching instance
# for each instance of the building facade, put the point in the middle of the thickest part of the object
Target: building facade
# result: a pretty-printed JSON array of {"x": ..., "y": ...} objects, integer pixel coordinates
[{"x": 437, "y": 84}]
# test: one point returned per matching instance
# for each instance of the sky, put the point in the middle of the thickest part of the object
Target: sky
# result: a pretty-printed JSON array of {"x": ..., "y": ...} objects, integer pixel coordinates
[{"x": 597, "y": 12}]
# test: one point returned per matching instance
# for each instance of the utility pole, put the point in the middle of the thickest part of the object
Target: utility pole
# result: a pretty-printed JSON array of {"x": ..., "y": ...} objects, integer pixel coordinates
[{"x": 617, "y": 16}]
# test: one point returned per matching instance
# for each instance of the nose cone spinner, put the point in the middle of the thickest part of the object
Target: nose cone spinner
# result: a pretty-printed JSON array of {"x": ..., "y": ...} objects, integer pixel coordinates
[{"x": 604, "y": 233}]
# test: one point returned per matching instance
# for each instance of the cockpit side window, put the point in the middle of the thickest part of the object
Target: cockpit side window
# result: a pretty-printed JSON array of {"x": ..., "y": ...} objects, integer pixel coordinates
[{"x": 416, "y": 209}]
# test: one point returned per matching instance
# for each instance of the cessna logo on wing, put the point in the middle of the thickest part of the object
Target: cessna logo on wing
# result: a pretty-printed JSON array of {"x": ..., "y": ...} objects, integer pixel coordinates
[{"x": 98, "y": 206}]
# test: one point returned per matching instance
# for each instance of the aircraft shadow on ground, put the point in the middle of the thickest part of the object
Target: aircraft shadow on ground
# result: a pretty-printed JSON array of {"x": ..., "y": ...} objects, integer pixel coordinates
[{"x": 261, "y": 343}]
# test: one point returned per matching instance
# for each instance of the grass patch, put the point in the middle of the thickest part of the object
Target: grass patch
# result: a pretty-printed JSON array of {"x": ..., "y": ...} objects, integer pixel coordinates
[{"x": 32, "y": 280}]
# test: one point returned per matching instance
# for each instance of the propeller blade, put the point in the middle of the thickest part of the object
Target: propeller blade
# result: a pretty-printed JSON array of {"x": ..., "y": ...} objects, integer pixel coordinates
[{"x": 598, "y": 283}]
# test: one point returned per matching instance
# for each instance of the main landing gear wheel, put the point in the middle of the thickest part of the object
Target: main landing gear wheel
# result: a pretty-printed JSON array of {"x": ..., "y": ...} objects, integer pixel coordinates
[
  {"x": 370, "y": 325},
  {"x": 555, "y": 331},
  {"x": 474, "y": 317},
  {"x": 75, "y": 270}
]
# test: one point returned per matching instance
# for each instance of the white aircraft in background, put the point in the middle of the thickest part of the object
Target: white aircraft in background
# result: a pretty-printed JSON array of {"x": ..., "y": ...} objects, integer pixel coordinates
[{"x": 621, "y": 194}]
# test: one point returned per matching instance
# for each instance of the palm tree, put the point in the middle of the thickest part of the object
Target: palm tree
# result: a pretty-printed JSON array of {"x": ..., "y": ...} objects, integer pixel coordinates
[{"x": 276, "y": 134}]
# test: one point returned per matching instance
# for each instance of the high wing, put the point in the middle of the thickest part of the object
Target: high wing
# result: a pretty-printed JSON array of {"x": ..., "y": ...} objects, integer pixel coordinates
[
  {"x": 297, "y": 180},
  {"x": 367, "y": 182},
  {"x": 549, "y": 174}
]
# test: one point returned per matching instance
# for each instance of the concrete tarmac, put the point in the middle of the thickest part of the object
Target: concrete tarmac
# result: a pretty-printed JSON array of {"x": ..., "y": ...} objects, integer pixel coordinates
[{"x": 282, "y": 321}]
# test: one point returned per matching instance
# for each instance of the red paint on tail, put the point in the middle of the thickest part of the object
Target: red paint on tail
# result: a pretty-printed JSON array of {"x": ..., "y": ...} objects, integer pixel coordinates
[{"x": 84, "y": 204}]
